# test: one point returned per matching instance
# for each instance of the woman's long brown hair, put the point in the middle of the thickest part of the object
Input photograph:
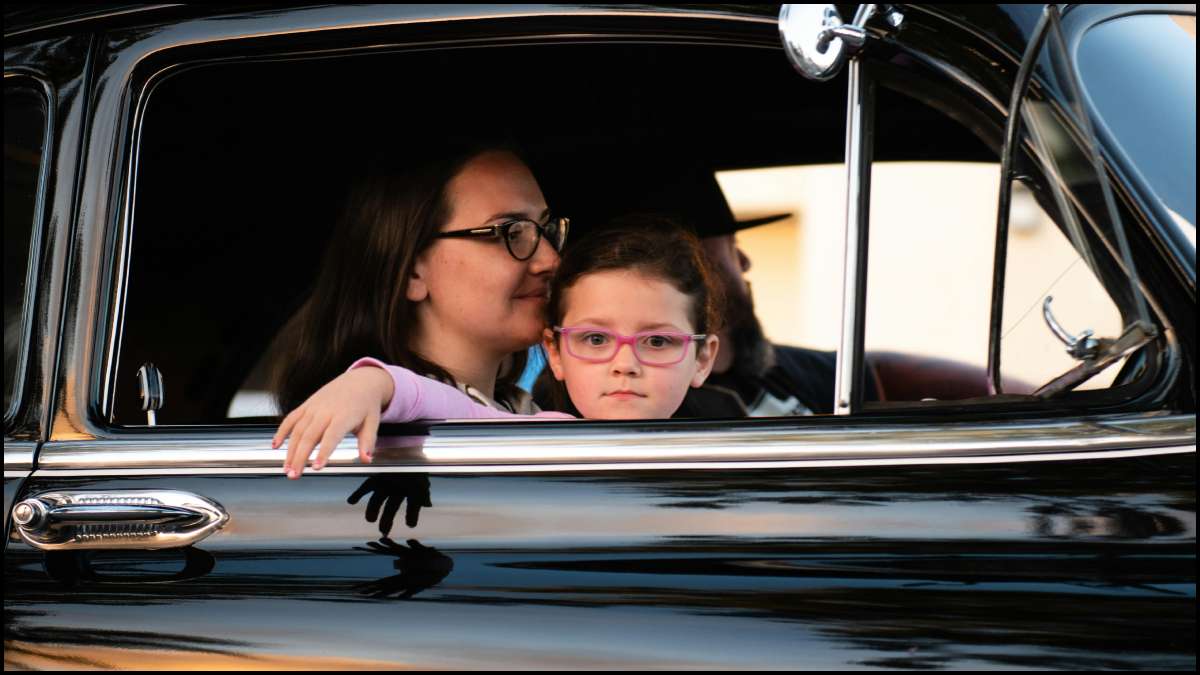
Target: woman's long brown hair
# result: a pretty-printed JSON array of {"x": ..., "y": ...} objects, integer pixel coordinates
[{"x": 359, "y": 305}]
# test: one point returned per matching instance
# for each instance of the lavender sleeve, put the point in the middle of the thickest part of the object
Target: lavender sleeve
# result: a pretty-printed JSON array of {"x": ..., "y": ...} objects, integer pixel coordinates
[{"x": 419, "y": 398}]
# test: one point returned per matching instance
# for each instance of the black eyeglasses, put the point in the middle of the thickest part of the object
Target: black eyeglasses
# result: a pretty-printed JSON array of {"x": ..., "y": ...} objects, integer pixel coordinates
[{"x": 521, "y": 237}]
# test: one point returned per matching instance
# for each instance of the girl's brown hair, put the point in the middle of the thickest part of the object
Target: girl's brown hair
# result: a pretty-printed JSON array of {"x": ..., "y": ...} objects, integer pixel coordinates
[
  {"x": 359, "y": 305},
  {"x": 653, "y": 245}
]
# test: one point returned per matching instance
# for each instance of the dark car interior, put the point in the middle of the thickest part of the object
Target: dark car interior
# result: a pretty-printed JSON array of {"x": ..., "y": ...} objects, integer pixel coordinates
[{"x": 242, "y": 168}]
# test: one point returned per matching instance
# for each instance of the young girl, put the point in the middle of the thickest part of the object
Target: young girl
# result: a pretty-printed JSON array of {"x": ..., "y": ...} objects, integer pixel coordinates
[{"x": 633, "y": 316}]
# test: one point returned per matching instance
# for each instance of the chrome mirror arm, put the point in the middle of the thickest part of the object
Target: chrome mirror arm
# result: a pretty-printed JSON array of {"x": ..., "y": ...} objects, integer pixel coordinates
[
  {"x": 818, "y": 43},
  {"x": 852, "y": 37},
  {"x": 854, "y": 34}
]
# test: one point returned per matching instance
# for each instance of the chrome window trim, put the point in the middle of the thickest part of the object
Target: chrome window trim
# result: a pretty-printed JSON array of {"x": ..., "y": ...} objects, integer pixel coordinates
[
  {"x": 99, "y": 14},
  {"x": 301, "y": 21},
  {"x": 121, "y": 248},
  {"x": 614, "y": 466},
  {"x": 17, "y": 77},
  {"x": 18, "y": 455},
  {"x": 859, "y": 158},
  {"x": 843, "y": 445}
]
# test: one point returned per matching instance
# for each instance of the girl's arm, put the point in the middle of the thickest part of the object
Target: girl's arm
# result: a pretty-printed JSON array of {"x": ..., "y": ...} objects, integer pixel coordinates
[
  {"x": 352, "y": 403},
  {"x": 420, "y": 398}
]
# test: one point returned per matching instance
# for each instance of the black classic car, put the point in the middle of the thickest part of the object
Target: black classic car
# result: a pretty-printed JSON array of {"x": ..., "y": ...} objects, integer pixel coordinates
[{"x": 173, "y": 173}]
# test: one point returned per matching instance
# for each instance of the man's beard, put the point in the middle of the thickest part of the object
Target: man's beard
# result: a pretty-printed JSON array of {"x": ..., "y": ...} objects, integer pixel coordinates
[{"x": 753, "y": 354}]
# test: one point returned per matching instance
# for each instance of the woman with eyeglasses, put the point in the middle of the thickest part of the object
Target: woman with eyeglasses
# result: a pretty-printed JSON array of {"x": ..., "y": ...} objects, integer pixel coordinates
[
  {"x": 632, "y": 311},
  {"x": 444, "y": 270}
]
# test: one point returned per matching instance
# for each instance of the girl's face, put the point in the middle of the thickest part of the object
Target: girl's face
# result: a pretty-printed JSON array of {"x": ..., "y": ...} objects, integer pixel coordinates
[
  {"x": 628, "y": 302},
  {"x": 472, "y": 295}
]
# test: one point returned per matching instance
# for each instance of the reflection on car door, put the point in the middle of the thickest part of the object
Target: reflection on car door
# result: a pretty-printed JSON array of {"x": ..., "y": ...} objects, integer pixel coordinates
[{"x": 950, "y": 565}]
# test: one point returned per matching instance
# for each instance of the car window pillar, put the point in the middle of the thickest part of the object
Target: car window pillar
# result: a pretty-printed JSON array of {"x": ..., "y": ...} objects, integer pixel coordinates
[
  {"x": 1011, "y": 133},
  {"x": 818, "y": 43},
  {"x": 860, "y": 141}
]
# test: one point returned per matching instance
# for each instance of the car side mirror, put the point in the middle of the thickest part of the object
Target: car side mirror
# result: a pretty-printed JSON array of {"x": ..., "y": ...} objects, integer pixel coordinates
[{"x": 818, "y": 42}]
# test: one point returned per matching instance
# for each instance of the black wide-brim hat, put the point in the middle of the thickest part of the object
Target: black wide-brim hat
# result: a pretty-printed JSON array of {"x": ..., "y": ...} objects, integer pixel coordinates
[
  {"x": 692, "y": 196},
  {"x": 687, "y": 193}
]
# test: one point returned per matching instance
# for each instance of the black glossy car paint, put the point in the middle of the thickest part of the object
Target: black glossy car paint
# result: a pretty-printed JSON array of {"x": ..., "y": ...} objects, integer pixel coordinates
[
  {"x": 1016, "y": 565},
  {"x": 1035, "y": 564}
]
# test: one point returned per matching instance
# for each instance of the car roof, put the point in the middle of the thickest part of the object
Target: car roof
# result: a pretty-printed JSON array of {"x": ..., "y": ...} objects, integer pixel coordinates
[{"x": 1010, "y": 24}]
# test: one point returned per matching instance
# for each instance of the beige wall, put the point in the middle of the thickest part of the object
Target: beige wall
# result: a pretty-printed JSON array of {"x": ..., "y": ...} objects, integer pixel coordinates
[{"x": 930, "y": 274}]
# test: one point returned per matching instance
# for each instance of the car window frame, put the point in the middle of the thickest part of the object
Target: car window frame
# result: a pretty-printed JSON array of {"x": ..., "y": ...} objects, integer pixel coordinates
[
  {"x": 103, "y": 380},
  {"x": 1163, "y": 355},
  {"x": 1050, "y": 34},
  {"x": 39, "y": 86},
  {"x": 83, "y": 442}
]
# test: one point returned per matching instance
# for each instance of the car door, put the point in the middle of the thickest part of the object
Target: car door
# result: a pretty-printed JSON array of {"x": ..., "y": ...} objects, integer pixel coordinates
[
  {"x": 966, "y": 537},
  {"x": 42, "y": 80}
]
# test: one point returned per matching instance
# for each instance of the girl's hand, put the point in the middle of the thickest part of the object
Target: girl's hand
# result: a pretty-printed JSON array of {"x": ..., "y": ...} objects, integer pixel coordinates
[{"x": 350, "y": 403}]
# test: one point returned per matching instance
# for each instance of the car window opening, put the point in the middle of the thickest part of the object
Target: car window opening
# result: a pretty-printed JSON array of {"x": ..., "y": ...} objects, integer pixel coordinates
[{"x": 214, "y": 285}]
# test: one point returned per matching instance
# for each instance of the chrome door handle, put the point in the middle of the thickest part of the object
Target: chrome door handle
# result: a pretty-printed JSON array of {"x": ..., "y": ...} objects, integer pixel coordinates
[{"x": 118, "y": 519}]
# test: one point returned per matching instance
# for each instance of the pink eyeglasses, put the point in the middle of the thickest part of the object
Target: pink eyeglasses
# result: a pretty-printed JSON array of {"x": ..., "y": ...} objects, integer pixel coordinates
[{"x": 650, "y": 348}]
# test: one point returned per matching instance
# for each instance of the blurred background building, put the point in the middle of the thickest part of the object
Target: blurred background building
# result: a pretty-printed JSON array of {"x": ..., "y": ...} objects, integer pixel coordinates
[{"x": 932, "y": 238}]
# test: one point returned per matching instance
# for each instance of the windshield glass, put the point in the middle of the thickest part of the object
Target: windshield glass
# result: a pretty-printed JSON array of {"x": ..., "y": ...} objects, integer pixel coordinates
[{"x": 1139, "y": 74}]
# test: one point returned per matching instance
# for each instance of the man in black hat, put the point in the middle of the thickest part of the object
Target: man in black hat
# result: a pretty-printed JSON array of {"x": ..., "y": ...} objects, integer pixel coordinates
[{"x": 768, "y": 379}]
